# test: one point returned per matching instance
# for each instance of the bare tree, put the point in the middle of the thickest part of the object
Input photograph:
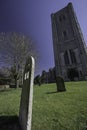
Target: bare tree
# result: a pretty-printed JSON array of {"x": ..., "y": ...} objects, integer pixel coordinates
[{"x": 14, "y": 50}]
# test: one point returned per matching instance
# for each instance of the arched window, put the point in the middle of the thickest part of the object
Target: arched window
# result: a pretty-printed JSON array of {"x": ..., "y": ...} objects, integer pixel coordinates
[
  {"x": 65, "y": 36},
  {"x": 80, "y": 73},
  {"x": 73, "y": 57},
  {"x": 64, "y": 18},
  {"x": 60, "y": 19},
  {"x": 64, "y": 33},
  {"x": 66, "y": 58}
]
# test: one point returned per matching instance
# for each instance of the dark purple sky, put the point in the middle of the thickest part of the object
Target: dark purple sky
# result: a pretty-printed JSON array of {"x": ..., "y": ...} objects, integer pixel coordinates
[{"x": 32, "y": 17}]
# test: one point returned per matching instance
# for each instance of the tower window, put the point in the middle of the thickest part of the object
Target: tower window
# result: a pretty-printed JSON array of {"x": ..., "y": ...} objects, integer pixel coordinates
[
  {"x": 64, "y": 17},
  {"x": 73, "y": 57},
  {"x": 65, "y": 35},
  {"x": 80, "y": 73},
  {"x": 66, "y": 58},
  {"x": 60, "y": 19}
]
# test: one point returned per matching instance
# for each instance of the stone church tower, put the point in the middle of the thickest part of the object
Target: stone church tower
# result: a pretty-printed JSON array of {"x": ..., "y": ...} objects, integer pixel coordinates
[{"x": 70, "y": 52}]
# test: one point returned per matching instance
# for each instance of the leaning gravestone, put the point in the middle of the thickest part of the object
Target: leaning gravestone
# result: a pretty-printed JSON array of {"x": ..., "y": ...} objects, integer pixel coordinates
[
  {"x": 60, "y": 84},
  {"x": 25, "y": 113}
]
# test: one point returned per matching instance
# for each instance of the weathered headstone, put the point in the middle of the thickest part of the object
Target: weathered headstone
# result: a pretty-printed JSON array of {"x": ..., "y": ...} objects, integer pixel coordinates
[
  {"x": 25, "y": 114},
  {"x": 60, "y": 84}
]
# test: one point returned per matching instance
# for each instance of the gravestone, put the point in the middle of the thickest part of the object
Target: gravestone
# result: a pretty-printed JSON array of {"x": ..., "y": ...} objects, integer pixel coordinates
[
  {"x": 60, "y": 84},
  {"x": 25, "y": 113}
]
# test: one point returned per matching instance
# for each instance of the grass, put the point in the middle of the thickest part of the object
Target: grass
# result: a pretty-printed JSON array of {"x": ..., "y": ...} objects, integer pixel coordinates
[
  {"x": 9, "y": 102},
  {"x": 9, "y": 109},
  {"x": 51, "y": 110}
]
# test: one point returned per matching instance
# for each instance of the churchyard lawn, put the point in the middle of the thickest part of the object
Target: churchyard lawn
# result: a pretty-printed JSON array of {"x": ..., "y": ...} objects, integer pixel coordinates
[{"x": 51, "y": 111}]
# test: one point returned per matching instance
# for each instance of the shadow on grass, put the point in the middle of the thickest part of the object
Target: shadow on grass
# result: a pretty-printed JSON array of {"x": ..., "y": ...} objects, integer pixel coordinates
[
  {"x": 51, "y": 92},
  {"x": 9, "y": 123},
  {"x": 55, "y": 92}
]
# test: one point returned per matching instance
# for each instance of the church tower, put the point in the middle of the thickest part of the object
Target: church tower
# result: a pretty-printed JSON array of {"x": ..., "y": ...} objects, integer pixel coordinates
[{"x": 70, "y": 52}]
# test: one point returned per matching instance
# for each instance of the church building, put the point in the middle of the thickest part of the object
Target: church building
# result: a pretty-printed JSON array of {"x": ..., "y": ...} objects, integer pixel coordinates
[{"x": 70, "y": 51}]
